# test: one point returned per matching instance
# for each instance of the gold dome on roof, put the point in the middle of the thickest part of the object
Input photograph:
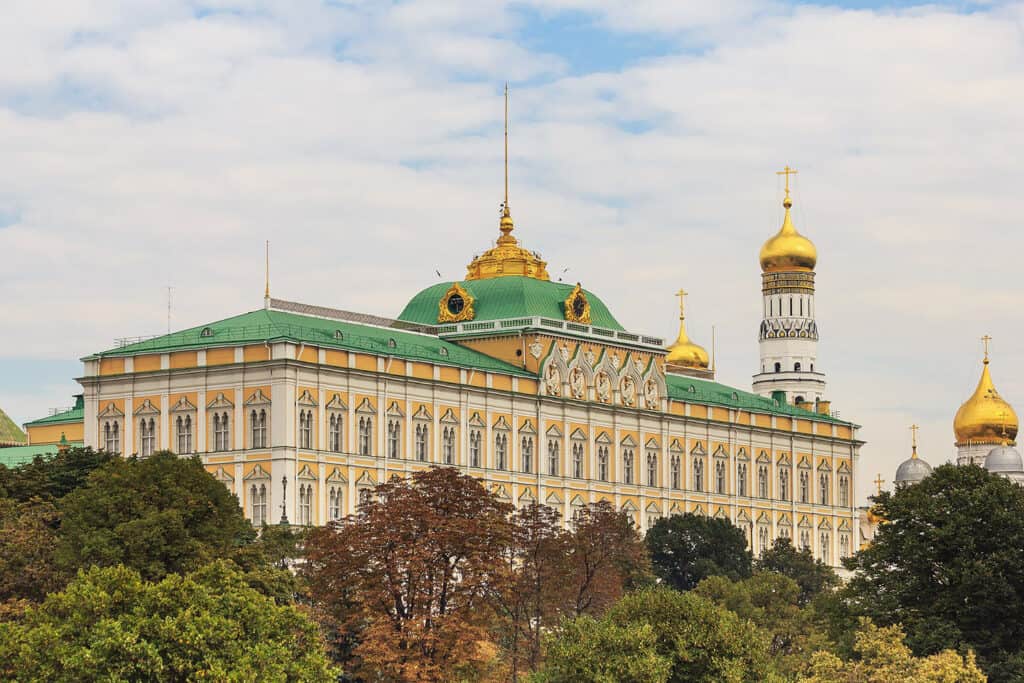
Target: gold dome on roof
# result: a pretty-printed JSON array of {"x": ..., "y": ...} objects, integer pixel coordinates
[
  {"x": 985, "y": 416},
  {"x": 507, "y": 257},
  {"x": 684, "y": 352},
  {"x": 788, "y": 250}
]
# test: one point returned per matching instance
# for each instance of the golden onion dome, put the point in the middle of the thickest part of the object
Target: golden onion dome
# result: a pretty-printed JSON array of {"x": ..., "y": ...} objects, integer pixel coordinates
[
  {"x": 507, "y": 257},
  {"x": 683, "y": 352},
  {"x": 985, "y": 417},
  {"x": 788, "y": 250}
]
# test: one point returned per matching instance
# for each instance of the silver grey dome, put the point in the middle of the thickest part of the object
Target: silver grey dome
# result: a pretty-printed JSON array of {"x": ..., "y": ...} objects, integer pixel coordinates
[
  {"x": 1004, "y": 459},
  {"x": 912, "y": 470}
]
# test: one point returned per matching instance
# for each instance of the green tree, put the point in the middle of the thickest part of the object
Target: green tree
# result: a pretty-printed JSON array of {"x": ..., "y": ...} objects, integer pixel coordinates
[
  {"x": 51, "y": 478},
  {"x": 28, "y": 536},
  {"x": 700, "y": 642},
  {"x": 947, "y": 565},
  {"x": 772, "y": 602},
  {"x": 109, "y": 624},
  {"x": 813, "y": 576},
  {"x": 157, "y": 515},
  {"x": 881, "y": 656},
  {"x": 588, "y": 650},
  {"x": 687, "y": 548}
]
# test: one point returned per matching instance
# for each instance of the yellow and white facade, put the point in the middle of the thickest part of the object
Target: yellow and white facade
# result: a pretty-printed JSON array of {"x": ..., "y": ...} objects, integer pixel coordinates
[{"x": 530, "y": 385}]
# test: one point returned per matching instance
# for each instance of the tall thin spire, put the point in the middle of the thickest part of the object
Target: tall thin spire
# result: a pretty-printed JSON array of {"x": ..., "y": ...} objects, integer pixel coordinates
[
  {"x": 506, "y": 209},
  {"x": 913, "y": 439},
  {"x": 266, "y": 288}
]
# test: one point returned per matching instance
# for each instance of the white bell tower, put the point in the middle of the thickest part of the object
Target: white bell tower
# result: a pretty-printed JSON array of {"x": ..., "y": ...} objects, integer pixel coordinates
[{"x": 788, "y": 337}]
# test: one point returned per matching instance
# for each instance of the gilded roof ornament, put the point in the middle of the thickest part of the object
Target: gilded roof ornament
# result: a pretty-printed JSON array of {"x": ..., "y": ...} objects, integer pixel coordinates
[
  {"x": 788, "y": 250},
  {"x": 456, "y": 305},
  {"x": 985, "y": 416},
  {"x": 683, "y": 352},
  {"x": 577, "y": 307},
  {"x": 507, "y": 257}
]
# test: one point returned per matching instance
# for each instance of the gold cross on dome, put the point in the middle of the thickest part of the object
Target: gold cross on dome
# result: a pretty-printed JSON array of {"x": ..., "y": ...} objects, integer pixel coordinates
[
  {"x": 682, "y": 294},
  {"x": 985, "y": 340},
  {"x": 787, "y": 171},
  {"x": 879, "y": 481},
  {"x": 913, "y": 434}
]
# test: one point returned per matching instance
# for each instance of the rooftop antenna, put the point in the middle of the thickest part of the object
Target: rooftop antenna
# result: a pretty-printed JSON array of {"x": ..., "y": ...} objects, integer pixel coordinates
[
  {"x": 713, "y": 351},
  {"x": 169, "y": 290},
  {"x": 266, "y": 290}
]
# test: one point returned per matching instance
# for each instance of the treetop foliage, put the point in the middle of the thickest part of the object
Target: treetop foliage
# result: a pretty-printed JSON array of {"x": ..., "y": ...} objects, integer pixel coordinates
[{"x": 687, "y": 548}]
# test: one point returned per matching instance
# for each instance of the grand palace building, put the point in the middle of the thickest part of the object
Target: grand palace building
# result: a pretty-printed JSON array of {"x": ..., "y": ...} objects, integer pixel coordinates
[{"x": 530, "y": 385}]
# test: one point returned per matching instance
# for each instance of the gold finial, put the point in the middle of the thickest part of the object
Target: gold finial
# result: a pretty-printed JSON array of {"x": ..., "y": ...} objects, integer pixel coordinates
[
  {"x": 787, "y": 171},
  {"x": 985, "y": 340},
  {"x": 878, "y": 482},
  {"x": 682, "y": 303},
  {"x": 913, "y": 440}
]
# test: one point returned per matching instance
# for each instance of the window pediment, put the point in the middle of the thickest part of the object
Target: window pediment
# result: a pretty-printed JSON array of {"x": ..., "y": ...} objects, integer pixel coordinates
[
  {"x": 804, "y": 465},
  {"x": 366, "y": 479},
  {"x": 698, "y": 449},
  {"x": 603, "y": 438},
  {"x": 476, "y": 421},
  {"x": 221, "y": 401},
  {"x": 823, "y": 466},
  {"x": 652, "y": 444},
  {"x": 365, "y": 406},
  {"x": 527, "y": 428},
  {"x": 183, "y": 406},
  {"x": 653, "y": 507},
  {"x": 336, "y": 403},
  {"x": 449, "y": 417},
  {"x": 843, "y": 468},
  {"x": 306, "y": 399},
  {"x": 395, "y": 410},
  {"x": 502, "y": 424},
  {"x": 784, "y": 521},
  {"x": 110, "y": 411},
  {"x": 743, "y": 517},
  {"x": 554, "y": 432},
  {"x": 676, "y": 447},
  {"x": 257, "y": 472},
  {"x": 526, "y": 496},
  {"x": 764, "y": 518},
  {"x": 258, "y": 398},
  {"x": 336, "y": 477},
  {"x": 222, "y": 476},
  {"x": 147, "y": 408},
  {"x": 578, "y": 435},
  {"x": 825, "y": 525},
  {"x": 804, "y": 523},
  {"x": 628, "y": 506},
  {"x": 553, "y": 499},
  {"x": 844, "y": 525},
  {"x": 422, "y": 414},
  {"x": 306, "y": 473},
  {"x": 629, "y": 442},
  {"x": 720, "y": 452}
]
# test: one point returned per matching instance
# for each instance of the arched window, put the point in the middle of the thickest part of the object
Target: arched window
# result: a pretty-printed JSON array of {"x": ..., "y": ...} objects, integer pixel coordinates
[
  {"x": 720, "y": 476},
  {"x": 627, "y": 466},
  {"x": 448, "y": 437},
  {"x": 475, "y": 439},
  {"x": 305, "y": 504},
  {"x": 805, "y": 540},
  {"x": 365, "y": 434},
  {"x": 258, "y": 505},
  {"x": 826, "y": 548},
  {"x": 184, "y": 433},
  {"x": 844, "y": 546},
  {"x": 394, "y": 438},
  {"x": 421, "y": 442},
  {"x": 577, "y": 460},
  {"x": 762, "y": 481},
  {"x": 677, "y": 480},
  {"x": 762, "y": 538},
  {"x": 805, "y": 483},
  {"x": 783, "y": 483},
  {"x": 305, "y": 429},
  {"x": 602, "y": 463},
  {"x": 796, "y": 367},
  {"x": 652, "y": 468},
  {"x": 258, "y": 424},
  {"x": 698, "y": 474},
  {"x": 823, "y": 488},
  {"x": 221, "y": 432},
  {"x": 501, "y": 451},
  {"x": 147, "y": 436},
  {"x": 335, "y": 433},
  {"x": 844, "y": 490},
  {"x": 334, "y": 504},
  {"x": 741, "y": 479},
  {"x": 778, "y": 367},
  {"x": 553, "y": 458},
  {"x": 526, "y": 454}
]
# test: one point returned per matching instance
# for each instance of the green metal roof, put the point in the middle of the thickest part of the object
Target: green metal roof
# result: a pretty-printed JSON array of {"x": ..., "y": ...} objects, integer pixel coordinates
[
  {"x": 512, "y": 296},
  {"x": 694, "y": 390},
  {"x": 9, "y": 432},
  {"x": 265, "y": 325},
  {"x": 19, "y": 455},
  {"x": 76, "y": 414}
]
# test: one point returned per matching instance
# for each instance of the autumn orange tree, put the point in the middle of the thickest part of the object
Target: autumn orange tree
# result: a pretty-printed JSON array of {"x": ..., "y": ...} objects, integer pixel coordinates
[{"x": 409, "y": 579}]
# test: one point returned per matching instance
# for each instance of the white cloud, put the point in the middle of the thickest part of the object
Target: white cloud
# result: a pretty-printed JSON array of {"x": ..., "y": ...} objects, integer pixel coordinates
[{"x": 146, "y": 145}]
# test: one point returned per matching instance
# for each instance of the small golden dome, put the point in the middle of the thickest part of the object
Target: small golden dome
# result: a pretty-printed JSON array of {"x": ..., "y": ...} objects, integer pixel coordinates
[
  {"x": 684, "y": 352},
  {"x": 507, "y": 257},
  {"x": 788, "y": 249},
  {"x": 985, "y": 416}
]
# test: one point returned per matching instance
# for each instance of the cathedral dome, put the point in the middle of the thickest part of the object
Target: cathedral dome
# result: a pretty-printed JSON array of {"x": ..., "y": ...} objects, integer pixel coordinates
[
  {"x": 983, "y": 417},
  {"x": 912, "y": 470},
  {"x": 1004, "y": 459},
  {"x": 788, "y": 250},
  {"x": 684, "y": 354}
]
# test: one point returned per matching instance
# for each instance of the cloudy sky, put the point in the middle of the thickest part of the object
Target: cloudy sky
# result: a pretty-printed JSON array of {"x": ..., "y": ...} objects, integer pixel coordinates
[{"x": 159, "y": 143}]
